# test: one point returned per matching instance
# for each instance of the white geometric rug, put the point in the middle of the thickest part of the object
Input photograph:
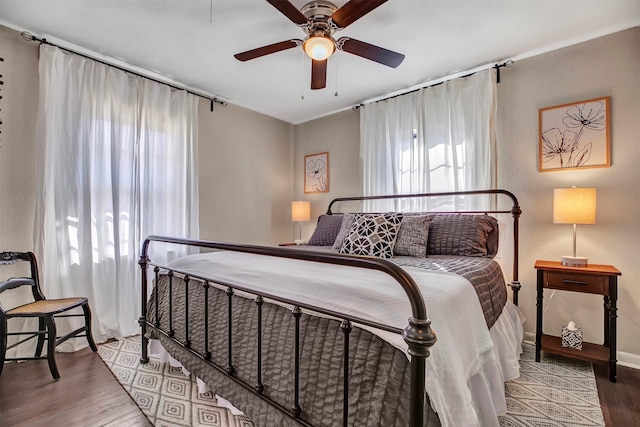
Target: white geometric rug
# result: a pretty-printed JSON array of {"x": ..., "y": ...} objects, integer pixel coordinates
[
  {"x": 164, "y": 394},
  {"x": 556, "y": 392}
]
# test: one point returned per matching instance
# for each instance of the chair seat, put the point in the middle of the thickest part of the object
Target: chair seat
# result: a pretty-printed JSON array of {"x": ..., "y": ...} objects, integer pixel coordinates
[{"x": 46, "y": 307}]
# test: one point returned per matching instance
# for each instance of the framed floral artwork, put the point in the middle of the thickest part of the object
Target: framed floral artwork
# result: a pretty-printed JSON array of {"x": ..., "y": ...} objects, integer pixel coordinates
[
  {"x": 316, "y": 173},
  {"x": 575, "y": 135}
]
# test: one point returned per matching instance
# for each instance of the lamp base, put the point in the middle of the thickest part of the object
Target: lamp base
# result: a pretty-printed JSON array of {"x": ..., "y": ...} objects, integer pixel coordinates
[
  {"x": 299, "y": 242},
  {"x": 574, "y": 261}
]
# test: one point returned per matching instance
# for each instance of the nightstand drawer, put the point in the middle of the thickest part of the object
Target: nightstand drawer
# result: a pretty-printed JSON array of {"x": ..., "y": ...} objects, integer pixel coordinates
[{"x": 587, "y": 283}]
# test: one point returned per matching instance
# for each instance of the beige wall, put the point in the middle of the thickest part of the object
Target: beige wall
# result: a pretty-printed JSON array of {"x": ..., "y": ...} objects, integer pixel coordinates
[
  {"x": 245, "y": 169},
  {"x": 19, "y": 112},
  {"x": 339, "y": 134},
  {"x": 608, "y": 66}
]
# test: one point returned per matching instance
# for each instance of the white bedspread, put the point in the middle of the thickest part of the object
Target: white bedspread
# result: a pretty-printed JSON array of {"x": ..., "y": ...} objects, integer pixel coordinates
[{"x": 465, "y": 378}]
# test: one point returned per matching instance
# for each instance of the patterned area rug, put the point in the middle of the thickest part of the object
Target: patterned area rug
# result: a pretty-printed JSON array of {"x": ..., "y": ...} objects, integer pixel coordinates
[
  {"x": 164, "y": 394},
  {"x": 557, "y": 392}
]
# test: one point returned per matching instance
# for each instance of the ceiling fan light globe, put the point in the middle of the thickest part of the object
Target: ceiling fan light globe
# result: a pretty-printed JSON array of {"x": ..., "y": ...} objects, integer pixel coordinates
[{"x": 319, "y": 47}]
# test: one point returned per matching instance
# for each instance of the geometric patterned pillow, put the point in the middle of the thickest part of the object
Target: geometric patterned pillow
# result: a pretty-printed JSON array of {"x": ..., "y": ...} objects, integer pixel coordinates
[
  {"x": 460, "y": 234},
  {"x": 326, "y": 231},
  {"x": 347, "y": 221},
  {"x": 413, "y": 236},
  {"x": 373, "y": 235}
]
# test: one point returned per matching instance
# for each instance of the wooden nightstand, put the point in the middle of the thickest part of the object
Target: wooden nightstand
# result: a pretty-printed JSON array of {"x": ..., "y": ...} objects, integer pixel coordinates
[{"x": 592, "y": 279}]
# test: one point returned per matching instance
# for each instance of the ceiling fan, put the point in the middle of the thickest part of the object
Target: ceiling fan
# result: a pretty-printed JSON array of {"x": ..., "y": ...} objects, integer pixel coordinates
[{"x": 320, "y": 19}]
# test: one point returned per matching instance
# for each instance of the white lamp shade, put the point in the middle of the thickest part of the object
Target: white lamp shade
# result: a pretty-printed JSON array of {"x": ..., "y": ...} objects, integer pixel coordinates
[
  {"x": 574, "y": 205},
  {"x": 300, "y": 211},
  {"x": 319, "y": 47}
]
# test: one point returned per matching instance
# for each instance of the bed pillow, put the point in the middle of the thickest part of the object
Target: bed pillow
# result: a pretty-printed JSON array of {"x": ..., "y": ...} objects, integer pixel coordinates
[
  {"x": 326, "y": 231},
  {"x": 493, "y": 240},
  {"x": 413, "y": 236},
  {"x": 460, "y": 234},
  {"x": 347, "y": 221},
  {"x": 373, "y": 235}
]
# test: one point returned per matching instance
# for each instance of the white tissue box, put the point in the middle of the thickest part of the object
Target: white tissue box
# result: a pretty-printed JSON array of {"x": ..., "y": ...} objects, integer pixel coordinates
[{"x": 572, "y": 338}]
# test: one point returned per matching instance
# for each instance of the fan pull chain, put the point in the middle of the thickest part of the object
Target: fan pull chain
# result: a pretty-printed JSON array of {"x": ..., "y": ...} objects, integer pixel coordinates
[{"x": 336, "y": 75}]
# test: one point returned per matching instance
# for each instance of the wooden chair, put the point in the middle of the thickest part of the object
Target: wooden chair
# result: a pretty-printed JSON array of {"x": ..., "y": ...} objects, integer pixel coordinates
[{"x": 45, "y": 310}]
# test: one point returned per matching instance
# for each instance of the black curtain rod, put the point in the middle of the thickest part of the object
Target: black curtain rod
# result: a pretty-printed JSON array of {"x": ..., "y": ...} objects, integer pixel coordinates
[
  {"x": 30, "y": 37},
  {"x": 507, "y": 63}
]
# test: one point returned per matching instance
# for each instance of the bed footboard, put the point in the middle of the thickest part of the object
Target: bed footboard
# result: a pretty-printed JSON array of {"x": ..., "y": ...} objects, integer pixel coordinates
[{"x": 417, "y": 334}]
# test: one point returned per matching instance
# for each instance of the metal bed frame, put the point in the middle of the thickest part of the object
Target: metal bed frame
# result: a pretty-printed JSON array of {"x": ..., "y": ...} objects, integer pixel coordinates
[{"x": 417, "y": 334}]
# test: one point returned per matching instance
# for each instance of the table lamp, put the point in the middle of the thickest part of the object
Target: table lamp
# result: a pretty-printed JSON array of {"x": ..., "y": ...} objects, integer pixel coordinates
[
  {"x": 300, "y": 211},
  {"x": 574, "y": 206}
]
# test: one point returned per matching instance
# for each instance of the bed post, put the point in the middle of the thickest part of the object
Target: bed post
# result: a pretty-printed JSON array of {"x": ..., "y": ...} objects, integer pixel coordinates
[
  {"x": 515, "y": 283},
  {"x": 420, "y": 337},
  {"x": 144, "y": 260}
]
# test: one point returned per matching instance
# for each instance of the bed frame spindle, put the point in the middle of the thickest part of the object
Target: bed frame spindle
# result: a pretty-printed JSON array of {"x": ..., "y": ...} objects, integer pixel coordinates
[
  {"x": 206, "y": 354},
  {"x": 346, "y": 328},
  {"x": 230, "y": 368},
  {"x": 187, "y": 341},
  {"x": 296, "y": 380},
  {"x": 259, "y": 303},
  {"x": 172, "y": 332},
  {"x": 157, "y": 322}
]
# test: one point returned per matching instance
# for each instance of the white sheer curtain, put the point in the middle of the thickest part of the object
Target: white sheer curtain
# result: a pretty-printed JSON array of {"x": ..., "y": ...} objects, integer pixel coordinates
[
  {"x": 117, "y": 162},
  {"x": 436, "y": 139}
]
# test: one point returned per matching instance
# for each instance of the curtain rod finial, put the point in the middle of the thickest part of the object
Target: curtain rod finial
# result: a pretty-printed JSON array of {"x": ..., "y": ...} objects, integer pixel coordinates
[{"x": 27, "y": 36}]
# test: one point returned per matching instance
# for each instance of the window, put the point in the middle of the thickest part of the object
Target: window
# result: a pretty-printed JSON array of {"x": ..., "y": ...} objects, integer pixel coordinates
[{"x": 438, "y": 139}]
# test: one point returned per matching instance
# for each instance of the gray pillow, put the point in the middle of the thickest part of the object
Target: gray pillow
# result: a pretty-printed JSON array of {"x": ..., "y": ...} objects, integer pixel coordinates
[
  {"x": 460, "y": 234},
  {"x": 372, "y": 235},
  {"x": 326, "y": 231},
  {"x": 347, "y": 220},
  {"x": 413, "y": 236}
]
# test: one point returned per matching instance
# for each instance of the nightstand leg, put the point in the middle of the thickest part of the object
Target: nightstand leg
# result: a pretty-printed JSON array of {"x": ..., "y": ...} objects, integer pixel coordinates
[
  {"x": 613, "y": 316},
  {"x": 607, "y": 321},
  {"x": 540, "y": 288}
]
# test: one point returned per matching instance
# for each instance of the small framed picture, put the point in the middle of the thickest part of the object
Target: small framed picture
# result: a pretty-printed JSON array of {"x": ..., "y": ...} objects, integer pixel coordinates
[
  {"x": 575, "y": 135},
  {"x": 316, "y": 173}
]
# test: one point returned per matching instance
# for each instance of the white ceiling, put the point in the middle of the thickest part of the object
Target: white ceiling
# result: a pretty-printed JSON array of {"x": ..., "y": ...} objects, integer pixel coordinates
[{"x": 192, "y": 42}]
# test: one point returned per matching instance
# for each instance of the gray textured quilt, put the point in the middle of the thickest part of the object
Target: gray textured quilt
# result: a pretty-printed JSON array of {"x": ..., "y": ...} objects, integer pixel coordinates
[{"x": 379, "y": 372}]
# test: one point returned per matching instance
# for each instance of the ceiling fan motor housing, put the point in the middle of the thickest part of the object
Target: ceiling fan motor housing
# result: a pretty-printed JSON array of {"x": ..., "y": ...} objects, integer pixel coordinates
[{"x": 318, "y": 10}]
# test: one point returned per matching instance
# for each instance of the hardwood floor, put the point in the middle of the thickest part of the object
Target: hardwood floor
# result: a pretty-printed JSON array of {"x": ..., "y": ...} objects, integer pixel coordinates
[
  {"x": 620, "y": 401},
  {"x": 88, "y": 395}
]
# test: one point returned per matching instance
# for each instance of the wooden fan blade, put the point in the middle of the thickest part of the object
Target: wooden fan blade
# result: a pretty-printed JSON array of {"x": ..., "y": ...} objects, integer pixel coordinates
[
  {"x": 318, "y": 74},
  {"x": 266, "y": 50},
  {"x": 374, "y": 53},
  {"x": 289, "y": 10},
  {"x": 354, "y": 10}
]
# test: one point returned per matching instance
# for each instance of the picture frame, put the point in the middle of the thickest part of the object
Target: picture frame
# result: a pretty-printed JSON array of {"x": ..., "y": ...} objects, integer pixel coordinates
[
  {"x": 316, "y": 173},
  {"x": 575, "y": 135}
]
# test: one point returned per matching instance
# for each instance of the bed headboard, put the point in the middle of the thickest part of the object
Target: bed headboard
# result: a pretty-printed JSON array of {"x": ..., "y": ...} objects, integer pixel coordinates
[{"x": 499, "y": 194}]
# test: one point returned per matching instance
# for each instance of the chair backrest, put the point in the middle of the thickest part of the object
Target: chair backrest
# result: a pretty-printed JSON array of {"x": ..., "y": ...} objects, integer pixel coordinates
[{"x": 7, "y": 258}]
